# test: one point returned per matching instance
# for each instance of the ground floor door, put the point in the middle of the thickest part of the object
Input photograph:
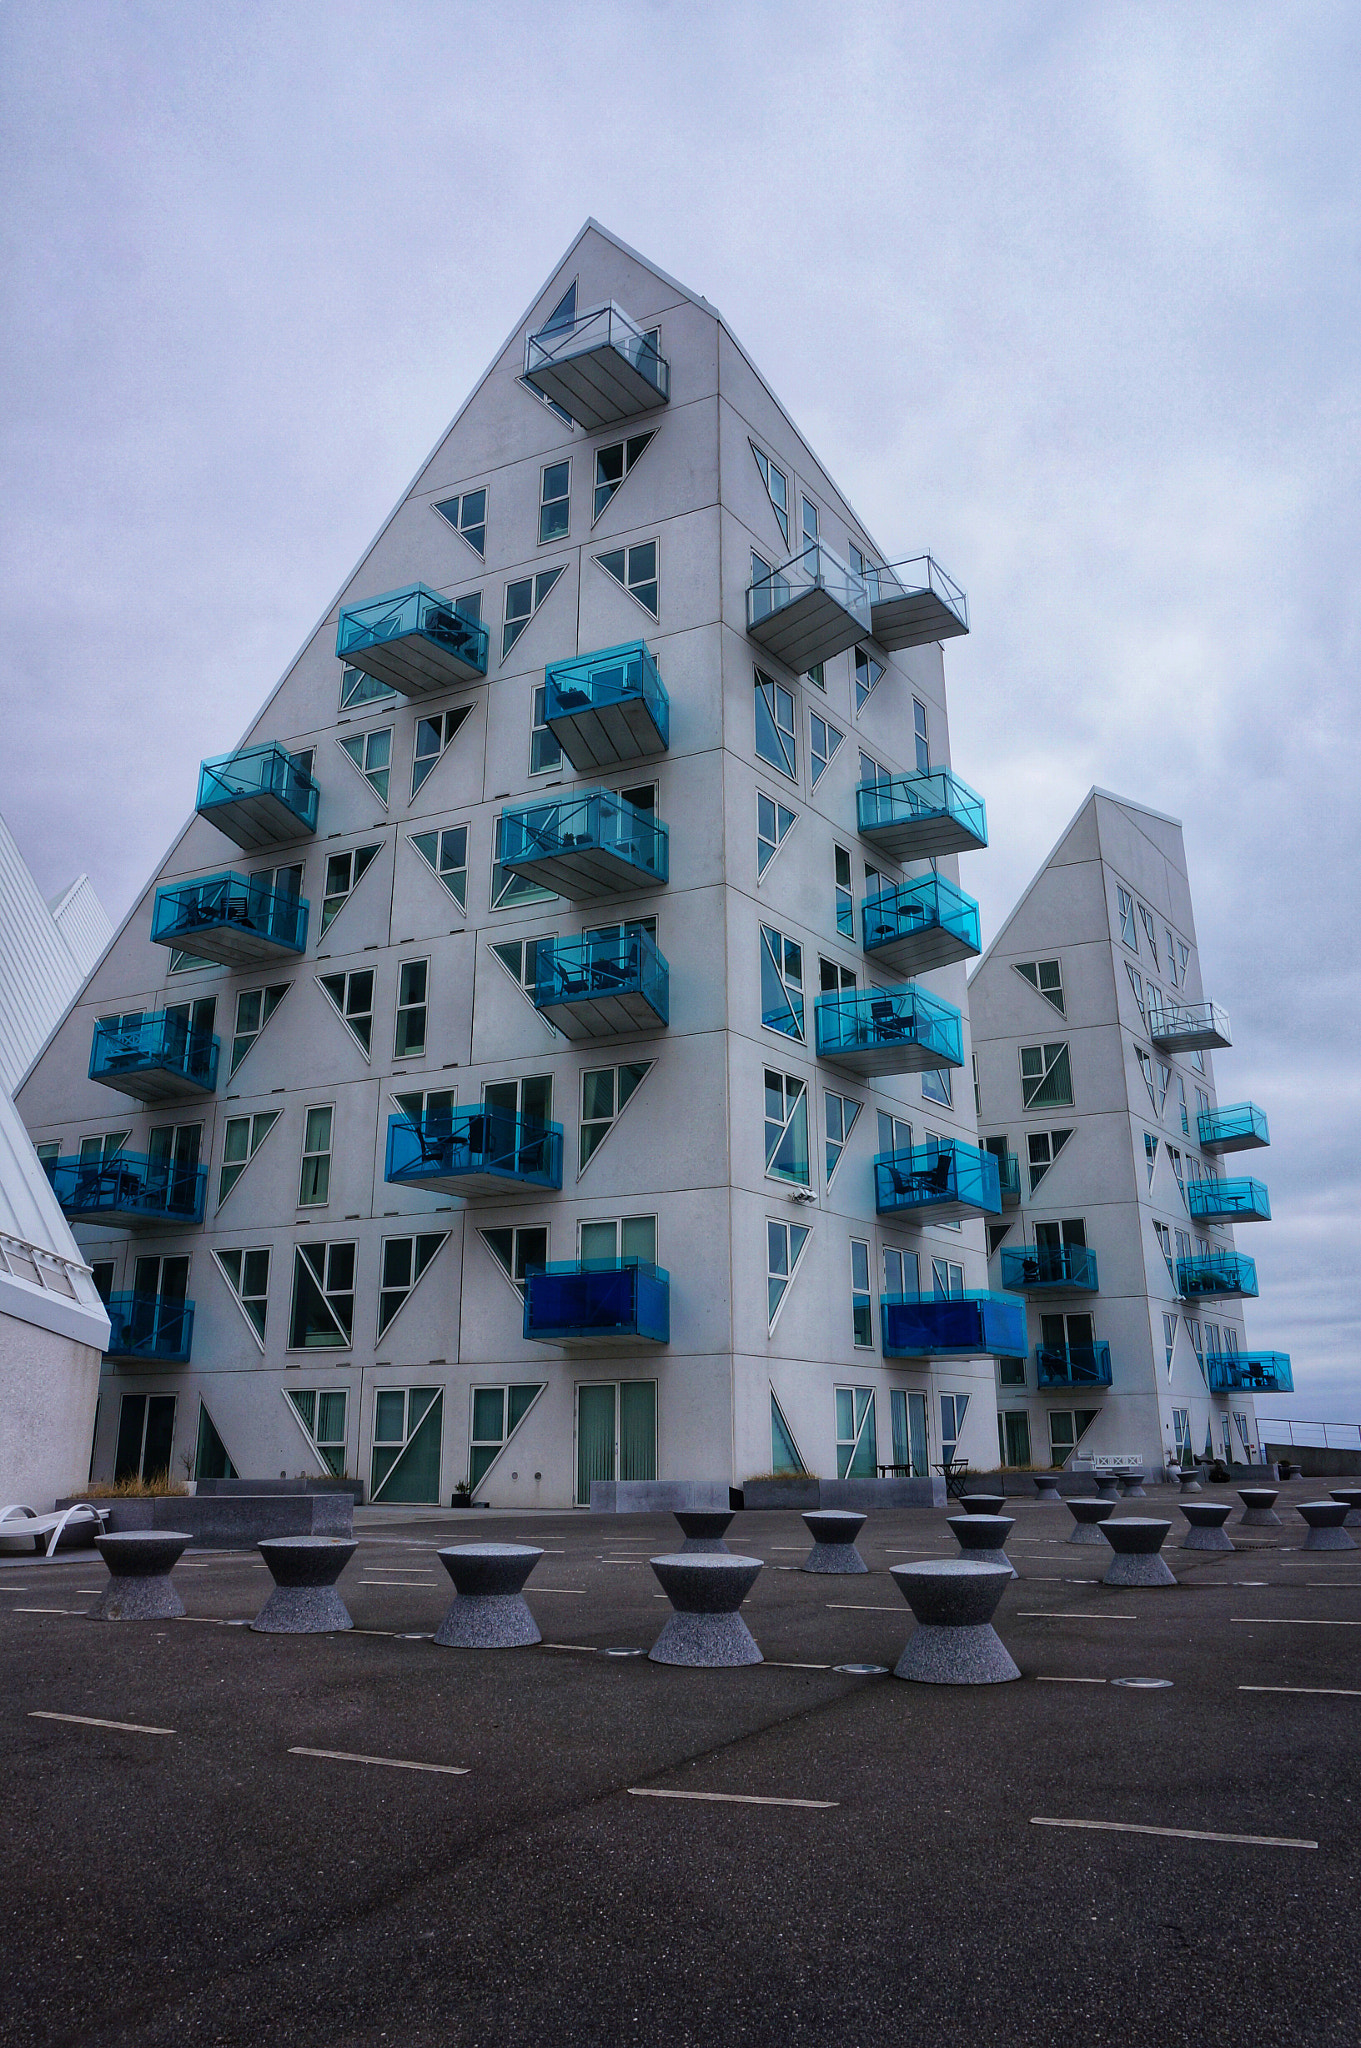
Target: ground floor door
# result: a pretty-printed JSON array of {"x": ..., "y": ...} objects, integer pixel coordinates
[
  {"x": 408, "y": 1423},
  {"x": 908, "y": 1413},
  {"x": 857, "y": 1448},
  {"x": 146, "y": 1437},
  {"x": 616, "y": 1433},
  {"x": 1013, "y": 1429}
]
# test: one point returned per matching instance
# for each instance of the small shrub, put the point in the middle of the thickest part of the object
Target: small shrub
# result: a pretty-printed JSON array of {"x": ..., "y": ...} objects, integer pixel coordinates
[
  {"x": 132, "y": 1489},
  {"x": 760, "y": 1478}
]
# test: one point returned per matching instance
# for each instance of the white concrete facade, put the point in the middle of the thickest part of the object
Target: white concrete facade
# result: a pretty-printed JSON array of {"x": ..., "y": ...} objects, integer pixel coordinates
[{"x": 46, "y": 951}]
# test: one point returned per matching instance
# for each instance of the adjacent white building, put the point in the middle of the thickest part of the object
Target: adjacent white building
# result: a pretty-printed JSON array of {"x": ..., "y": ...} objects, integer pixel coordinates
[{"x": 46, "y": 951}]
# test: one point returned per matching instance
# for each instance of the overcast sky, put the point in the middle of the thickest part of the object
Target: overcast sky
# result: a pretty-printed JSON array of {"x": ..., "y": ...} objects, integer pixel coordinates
[{"x": 1067, "y": 293}]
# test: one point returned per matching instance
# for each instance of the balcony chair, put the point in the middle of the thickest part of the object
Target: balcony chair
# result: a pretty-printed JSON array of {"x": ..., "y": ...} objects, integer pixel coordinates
[{"x": 922, "y": 1187}]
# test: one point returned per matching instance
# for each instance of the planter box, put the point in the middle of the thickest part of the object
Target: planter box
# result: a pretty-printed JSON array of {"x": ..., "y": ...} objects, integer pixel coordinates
[
  {"x": 258, "y": 1488},
  {"x": 658, "y": 1496},
  {"x": 865, "y": 1495},
  {"x": 235, "y": 1521},
  {"x": 799, "y": 1494}
]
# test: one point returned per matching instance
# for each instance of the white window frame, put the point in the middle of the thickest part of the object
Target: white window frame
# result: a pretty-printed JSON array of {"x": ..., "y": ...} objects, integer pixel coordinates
[
  {"x": 794, "y": 1253},
  {"x": 436, "y": 867},
  {"x": 309, "y": 1153},
  {"x": 422, "y": 961}
]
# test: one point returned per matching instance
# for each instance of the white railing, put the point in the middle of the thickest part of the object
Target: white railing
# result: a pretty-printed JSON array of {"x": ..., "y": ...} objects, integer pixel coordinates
[{"x": 1317, "y": 1436}]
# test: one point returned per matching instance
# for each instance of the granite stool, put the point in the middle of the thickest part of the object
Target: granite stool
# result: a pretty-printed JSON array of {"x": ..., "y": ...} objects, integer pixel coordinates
[
  {"x": 1046, "y": 1489},
  {"x": 140, "y": 1562},
  {"x": 983, "y": 1538},
  {"x": 1207, "y": 1519},
  {"x": 1087, "y": 1514},
  {"x": 983, "y": 1503},
  {"x": 1352, "y": 1496},
  {"x": 488, "y": 1610},
  {"x": 1107, "y": 1485},
  {"x": 1132, "y": 1486},
  {"x": 1136, "y": 1541},
  {"x": 1259, "y": 1510},
  {"x": 304, "y": 1569},
  {"x": 703, "y": 1530},
  {"x": 1188, "y": 1480},
  {"x": 1327, "y": 1521},
  {"x": 705, "y": 1629},
  {"x": 954, "y": 1642},
  {"x": 833, "y": 1531}
]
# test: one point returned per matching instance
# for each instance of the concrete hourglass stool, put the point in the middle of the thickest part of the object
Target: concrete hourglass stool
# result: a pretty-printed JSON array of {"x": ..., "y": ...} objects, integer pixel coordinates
[
  {"x": 1136, "y": 1541},
  {"x": 1046, "y": 1489},
  {"x": 1259, "y": 1507},
  {"x": 140, "y": 1562},
  {"x": 1107, "y": 1485},
  {"x": 1352, "y": 1496},
  {"x": 304, "y": 1569},
  {"x": 1327, "y": 1521},
  {"x": 954, "y": 1642},
  {"x": 1132, "y": 1485},
  {"x": 1207, "y": 1519},
  {"x": 1188, "y": 1479},
  {"x": 1087, "y": 1516},
  {"x": 488, "y": 1610},
  {"x": 983, "y": 1538},
  {"x": 983, "y": 1503},
  {"x": 705, "y": 1629},
  {"x": 833, "y": 1531},
  {"x": 703, "y": 1530}
]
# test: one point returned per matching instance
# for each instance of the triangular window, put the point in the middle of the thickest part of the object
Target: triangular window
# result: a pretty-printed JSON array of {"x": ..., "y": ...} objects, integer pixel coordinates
[
  {"x": 868, "y": 672},
  {"x": 497, "y": 1414},
  {"x": 996, "y": 1233},
  {"x": 841, "y": 1113},
  {"x": 605, "y": 1094},
  {"x": 523, "y": 598},
  {"x": 785, "y": 1455},
  {"x": 323, "y": 1297},
  {"x": 433, "y": 736},
  {"x": 211, "y": 1460},
  {"x": 785, "y": 1246},
  {"x": 636, "y": 569},
  {"x": 468, "y": 517},
  {"x": 344, "y": 872},
  {"x": 1150, "y": 1154},
  {"x": 1046, "y": 977},
  {"x": 358, "y": 689},
  {"x": 1136, "y": 982},
  {"x": 320, "y": 1414},
  {"x": 777, "y": 490},
  {"x": 247, "y": 1275},
  {"x": 612, "y": 465},
  {"x": 254, "y": 1008},
  {"x": 242, "y": 1138},
  {"x": 371, "y": 754},
  {"x": 446, "y": 854},
  {"x": 406, "y": 1260},
  {"x": 824, "y": 739},
  {"x": 564, "y": 313},
  {"x": 518, "y": 1252},
  {"x": 352, "y": 995},
  {"x": 774, "y": 822}
]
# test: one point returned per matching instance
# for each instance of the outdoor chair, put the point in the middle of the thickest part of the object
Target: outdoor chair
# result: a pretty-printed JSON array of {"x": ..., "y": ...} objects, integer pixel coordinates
[{"x": 18, "y": 1520}]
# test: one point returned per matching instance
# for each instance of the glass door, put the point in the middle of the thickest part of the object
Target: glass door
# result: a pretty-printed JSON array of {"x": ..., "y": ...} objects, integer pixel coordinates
[
  {"x": 907, "y": 1412},
  {"x": 408, "y": 1424},
  {"x": 1015, "y": 1429},
  {"x": 616, "y": 1433},
  {"x": 857, "y": 1450},
  {"x": 146, "y": 1437}
]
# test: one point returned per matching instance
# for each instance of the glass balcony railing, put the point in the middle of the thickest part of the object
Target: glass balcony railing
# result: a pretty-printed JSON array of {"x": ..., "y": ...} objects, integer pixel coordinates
[
  {"x": 1009, "y": 1178},
  {"x": 1216, "y": 1276},
  {"x": 150, "y": 1328},
  {"x": 414, "y": 641},
  {"x": 1188, "y": 1027},
  {"x": 926, "y": 923},
  {"x": 128, "y": 1190},
  {"x": 916, "y": 602},
  {"x": 888, "y": 1031},
  {"x": 483, "y": 1154},
  {"x": 1249, "y": 1372},
  {"x": 947, "y": 1181},
  {"x": 1042, "y": 1269},
  {"x": 594, "y": 844},
  {"x": 959, "y": 1326},
  {"x": 599, "y": 367},
  {"x": 603, "y": 985},
  {"x": 809, "y": 609},
  {"x": 238, "y": 920},
  {"x": 608, "y": 707},
  {"x": 1239, "y": 1127},
  {"x": 154, "y": 1056},
  {"x": 605, "y": 1301},
  {"x": 259, "y": 797},
  {"x": 919, "y": 817},
  {"x": 1073, "y": 1365},
  {"x": 1228, "y": 1201}
]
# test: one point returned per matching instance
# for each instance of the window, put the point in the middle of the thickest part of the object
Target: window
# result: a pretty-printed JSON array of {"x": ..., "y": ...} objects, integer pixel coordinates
[
  {"x": 544, "y": 752},
  {"x": 1171, "y": 954},
  {"x": 862, "y": 1301},
  {"x": 1181, "y": 1105},
  {"x": 810, "y": 523},
  {"x": 833, "y": 978},
  {"x": 947, "y": 1280},
  {"x": 952, "y": 1411},
  {"x": 1164, "y": 1083},
  {"x": 357, "y": 689},
  {"x": 785, "y": 1245},
  {"x": 518, "y": 1252},
  {"x": 977, "y": 1092},
  {"x": 777, "y": 490},
  {"x": 254, "y": 1008},
  {"x": 919, "y": 736},
  {"x": 242, "y": 1138},
  {"x": 774, "y": 822},
  {"x": 1046, "y": 1082},
  {"x": 618, "y": 1237},
  {"x": 1011, "y": 1372},
  {"x": 871, "y": 773},
  {"x": 407, "y": 1426},
  {"x": 433, "y": 735},
  {"x": 1146, "y": 920},
  {"x": 817, "y": 676},
  {"x": 344, "y": 872},
  {"x": 555, "y": 489},
  {"x": 605, "y": 1094},
  {"x": 1202, "y": 1105},
  {"x": 468, "y": 517},
  {"x": 1066, "y": 1428},
  {"x": 413, "y": 988},
  {"x": 908, "y": 1413},
  {"x": 323, "y": 1297},
  {"x": 523, "y": 598},
  {"x": 636, "y": 569},
  {"x": 845, "y": 901},
  {"x": 497, "y": 1414},
  {"x": 314, "y": 1187},
  {"x": 902, "y": 1275},
  {"x": 420, "y": 1106},
  {"x": 321, "y": 1412},
  {"x": 785, "y": 1455},
  {"x": 247, "y": 1275},
  {"x": 1127, "y": 931},
  {"x": 857, "y": 1446},
  {"x": 824, "y": 739},
  {"x": 1043, "y": 1148},
  {"x": 1146, "y": 1069},
  {"x": 841, "y": 1114},
  {"x": 352, "y": 995},
  {"x": 786, "y": 1128},
  {"x": 520, "y": 958},
  {"x": 210, "y": 1453},
  {"x": 612, "y": 465},
  {"x": 895, "y": 1133},
  {"x": 172, "y": 1158},
  {"x": 507, "y": 888},
  {"x": 1137, "y": 984},
  {"x": 405, "y": 1260},
  {"x": 1183, "y": 961},
  {"x": 775, "y": 740},
  {"x": 445, "y": 853},
  {"x": 781, "y": 983},
  {"x": 371, "y": 754},
  {"x": 1164, "y": 1237},
  {"x": 1169, "y": 1339},
  {"x": 1047, "y": 977},
  {"x": 936, "y": 1086},
  {"x": 1193, "y": 1332},
  {"x": 1150, "y": 1154},
  {"x": 146, "y": 1437},
  {"x": 1175, "y": 1157},
  {"x": 867, "y": 673}
]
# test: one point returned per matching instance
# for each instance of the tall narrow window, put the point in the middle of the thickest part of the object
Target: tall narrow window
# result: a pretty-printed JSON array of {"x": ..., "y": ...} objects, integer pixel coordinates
[
  {"x": 1171, "y": 954},
  {"x": 947, "y": 1279},
  {"x": 1169, "y": 1339},
  {"x": 1045, "y": 976},
  {"x": 352, "y": 996},
  {"x": 774, "y": 821},
  {"x": 1146, "y": 920},
  {"x": 775, "y": 737},
  {"x": 1164, "y": 1237},
  {"x": 314, "y": 1188},
  {"x": 823, "y": 742},
  {"x": 1164, "y": 1083},
  {"x": 785, "y": 1455},
  {"x": 242, "y": 1138},
  {"x": 785, "y": 1244},
  {"x": 841, "y": 1113},
  {"x": 845, "y": 900},
  {"x": 1183, "y": 960},
  {"x": 554, "y": 500},
  {"x": 810, "y": 523},
  {"x": 781, "y": 983},
  {"x": 1150, "y": 1155},
  {"x": 1146, "y": 1069},
  {"x": 920, "y": 737},
  {"x": 1046, "y": 1079},
  {"x": 952, "y": 1411},
  {"x": 786, "y": 1128},
  {"x": 446, "y": 854},
  {"x": 857, "y": 1444},
  {"x": 868, "y": 672},
  {"x": 605, "y": 1094},
  {"x": 323, "y": 1297},
  {"x": 862, "y": 1301},
  {"x": 936, "y": 1086},
  {"x": 433, "y": 736},
  {"x": 247, "y": 1275},
  {"x": 405, "y": 1260},
  {"x": 612, "y": 465},
  {"x": 777, "y": 490},
  {"x": 1127, "y": 930},
  {"x": 901, "y": 1275},
  {"x": 636, "y": 569},
  {"x": 344, "y": 872},
  {"x": 523, "y": 598},
  {"x": 545, "y": 754},
  {"x": 371, "y": 754},
  {"x": 1136, "y": 982},
  {"x": 413, "y": 988},
  {"x": 468, "y": 517},
  {"x": 321, "y": 1413},
  {"x": 254, "y": 1008}
]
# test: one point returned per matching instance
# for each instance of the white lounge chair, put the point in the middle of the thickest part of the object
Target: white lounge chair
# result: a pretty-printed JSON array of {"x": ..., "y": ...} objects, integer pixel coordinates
[{"x": 17, "y": 1520}]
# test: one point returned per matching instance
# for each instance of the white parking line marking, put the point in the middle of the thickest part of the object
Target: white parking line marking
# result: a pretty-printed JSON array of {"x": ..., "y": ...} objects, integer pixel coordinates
[
  {"x": 858, "y": 1607},
  {"x": 89, "y": 1721},
  {"x": 392, "y": 1763},
  {"x": 1290, "y": 1621},
  {"x": 399, "y": 1582},
  {"x": 1337, "y": 1692},
  {"x": 780, "y": 1664},
  {"x": 1068, "y": 1614},
  {"x": 555, "y": 1589},
  {"x": 1045, "y": 1678},
  {"x": 1129, "y": 1827},
  {"x": 49, "y": 1610},
  {"x": 729, "y": 1798},
  {"x": 568, "y": 1646}
]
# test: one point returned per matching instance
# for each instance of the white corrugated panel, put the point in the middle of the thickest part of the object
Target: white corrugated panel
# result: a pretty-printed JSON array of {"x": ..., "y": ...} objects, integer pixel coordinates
[
  {"x": 83, "y": 922},
  {"x": 39, "y": 969},
  {"x": 29, "y": 1212}
]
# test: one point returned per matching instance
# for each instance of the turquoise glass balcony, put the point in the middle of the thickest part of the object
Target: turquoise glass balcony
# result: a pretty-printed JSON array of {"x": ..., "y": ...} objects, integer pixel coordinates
[
  {"x": 942, "y": 1182},
  {"x": 484, "y": 1155},
  {"x": 129, "y": 1191},
  {"x": 154, "y": 1056},
  {"x": 599, "y": 367},
  {"x": 957, "y": 1326},
  {"x": 914, "y": 603},
  {"x": 1228, "y": 1201},
  {"x": 919, "y": 817},
  {"x": 1216, "y": 1276},
  {"x": 582, "y": 847},
  {"x": 873, "y": 1031},
  {"x": 598, "y": 1301},
  {"x": 1049, "y": 1269},
  {"x": 1249, "y": 1372},
  {"x": 1009, "y": 1178},
  {"x": 926, "y": 923},
  {"x": 235, "y": 919},
  {"x": 1188, "y": 1027},
  {"x": 258, "y": 797},
  {"x": 1073, "y": 1365},
  {"x": 608, "y": 707},
  {"x": 414, "y": 641},
  {"x": 809, "y": 609},
  {"x": 150, "y": 1329},
  {"x": 600, "y": 987},
  {"x": 1240, "y": 1127}
]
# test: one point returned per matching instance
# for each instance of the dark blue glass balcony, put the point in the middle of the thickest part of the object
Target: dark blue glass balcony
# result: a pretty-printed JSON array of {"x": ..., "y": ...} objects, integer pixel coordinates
[
  {"x": 1049, "y": 1269},
  {"x": 1073, "y": 1365},
  {"x": 957, "y": 1326},
  {"x": 235, "y": 919},
  {"x": 943, "y": 1182},
  {"x": 914, "y": 603},
  {"x": 482, "y": 1154},
  {"x": 258, "y": 797},
  {"x": 599, "y": 367},
  {"x": 129, "y": 1191},
  {"x": 873, "y": 1031},
  {"x": 599, "y": 987},
  {"x": 1240, "y": 1127},
  {"x": 809, "y": 609},
  {"x": 154, "y": 1056},
  {"x": 926, "y": 923},
  {"x": 1216, "y": 1276},
  {"x": 598, "y": 1301},
  {"x": 150, "y": 1328},
  {"x": 608, "y": 707},
  {"x": 414, "y": 641},
  {"x": 1249, "y": 1372},
  {"x": 595, "y": 844},
  {"x": 1188, "y": 1027},
  {"x": 1228, "y": 1201},
  {"x": 919, "y": 817}
]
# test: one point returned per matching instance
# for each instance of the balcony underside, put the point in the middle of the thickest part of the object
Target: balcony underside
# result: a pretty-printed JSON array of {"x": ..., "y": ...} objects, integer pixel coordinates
[
  {"x": 603, "y": 735},
  {"x": 256, "y": 822},
  {"x": 148, "y": 1081},
  {"x": 487, "y": 1156},
  {"x": 463, "y": 1174},
  {"x": 585, "y": 871},
  {"x": 914, "y": 618},
  {"x": 938, "y": 1185},
  {"x": 918, "y": 950},
  {"x": 1203, "y": 1029},
  {"x": 126, "y": 1197},
  {"x": 231, "y": 942},
  {"x": 1238, "y": 1127},
  {"x": 601, "y": 1013},
  {"x": 922, "y": 816},
  {"x": 415, "y": 665},
  {"x": 1243, "y": 1203},
  {"x": 812, "y": 627},
  {"x": 1227, "y": 1278},
  {"x": 598, "y": 387},
  {"x": 880, "y": 1056}
]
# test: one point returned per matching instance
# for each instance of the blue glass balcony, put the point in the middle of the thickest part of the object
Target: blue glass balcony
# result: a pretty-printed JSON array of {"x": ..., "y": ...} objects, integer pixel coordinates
[
  {"x": 258, "y": 797},
  {"x": 960, "y": 1326},
  {"x": 1049, "y": 1269},
  {"x": 873, "y": 1031},
  {"x": 1249, "y": 1372},
  {"x": 919, "y": 817},
  {"x": 235, "y": 919},
  {"x": 129, "y": 1191},
  {"x": 582, "y": 847},
  {"x": 1188, "y": 1027},
  {"x": 600, "y": 367},
  {"x": 1228, "y": 1201},
  {"x": 1240, "y": 1127},
  {"x": 599, "y": 987},
  {"x": 414, "y": 641},
  {"x": 943, "y": 1182},
  {"x": 1216, "y": 1276},
  {"x": 598, "y": 1301},
  {"x": 608, "y": 707},
  {"x": 154, "y": 1056},
  {"x": 809, "y": 609},
  {"x": 915, "y": 603},
  {"x": 926, "y": 923},
  {"x": 1009, "y": 1178},
  {"x": 482, "y": 1154},
  {"x": 1073, "y": 1365},
  {"x": 150, "y": 1328}
]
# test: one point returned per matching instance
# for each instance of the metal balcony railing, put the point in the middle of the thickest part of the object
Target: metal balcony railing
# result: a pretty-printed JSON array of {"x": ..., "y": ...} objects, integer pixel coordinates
[
  {"x": 923, "y": 924},
  {"x": 1042, "y": 1269},
  {"x": 154, "y": 1056},
  {"x": 600, "y": 367},
  {"x": 1237, "y": 1127},
  {"x": 128, "y": 1189},
  {"x": 809, "y": 609},
  {"x": 608, "y": 707},
  {"x": 603, "y": 985},
  {"x": 948, "y": 1181},
  {"x": 959, "y": 1325},
  {"x": 1228, "y": 1201},
  {"x": 1073, "y": 1365},
  {"x": 1216, "y": 1275},
  {"x": 483, "y": 1154},
  {"x": 888, "y": 1030},
  {"x": 1249, "y": 1372},
  {"x": 413, "y": 640},
  {"x": 587, "y": 845},
  {"x": 258, "y": 797},
  {"x": 150, "y": 1328},
  {"x": 920, "y": 817},
  {"x": 915, "y": 602},
  {"x": 238, "y": 920}
]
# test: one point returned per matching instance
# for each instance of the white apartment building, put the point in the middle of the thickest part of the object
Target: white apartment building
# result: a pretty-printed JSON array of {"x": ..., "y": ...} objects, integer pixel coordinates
[
  {"x": 46, "y": 951},
  {"x": 491, "y": 1084},
  {"x": 1093, "y": 1048}
]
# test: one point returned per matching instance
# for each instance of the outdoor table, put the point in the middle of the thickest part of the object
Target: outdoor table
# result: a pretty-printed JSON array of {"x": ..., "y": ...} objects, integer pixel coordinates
[
  {"x": 984, "y": 1537},
  {"x": 955, "y": 1472},
  {"x": 140, "y": 1562},
  {"x": 1259, "y": 1510},
  {"x": 488, "y": 1610},
  {"x": 1087, "y": 1514},
  {"x": 1327, "y": 1525},
  {"x": 1136, "y": 1541},
  {"x": 954, "y": 1642},
  {"x": 304, "y": 1601},
  {"x": 1207, "y": 1519},
  {"x": 703, "y": 1530},
  {"x": 833, "y": 1531},
  {"x": 705, "y": 1629},
  {"x": 983, "y": 1503}
]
